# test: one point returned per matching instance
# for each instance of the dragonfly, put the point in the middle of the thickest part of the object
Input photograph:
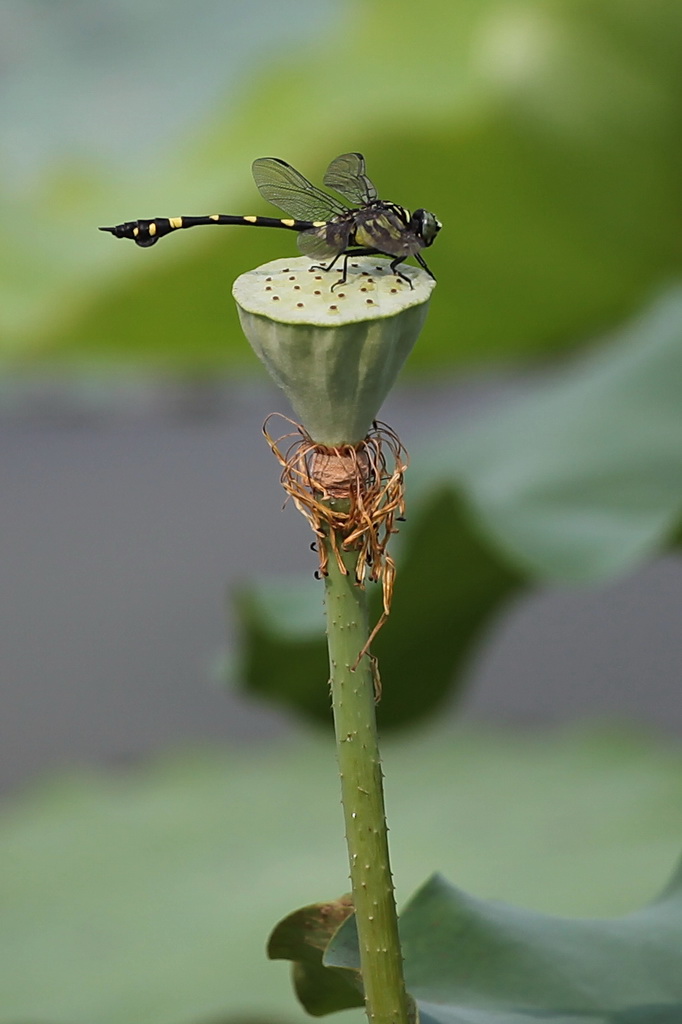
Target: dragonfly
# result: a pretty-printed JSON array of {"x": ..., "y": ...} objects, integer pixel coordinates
[{"x": 328, "y": 229}]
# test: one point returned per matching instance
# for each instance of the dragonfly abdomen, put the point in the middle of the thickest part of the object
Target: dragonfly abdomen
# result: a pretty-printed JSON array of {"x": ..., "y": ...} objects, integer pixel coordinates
[{"x": 147, "y": 232}]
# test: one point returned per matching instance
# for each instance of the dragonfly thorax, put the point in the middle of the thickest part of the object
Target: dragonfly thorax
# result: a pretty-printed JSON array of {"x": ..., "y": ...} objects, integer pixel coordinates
[{"x": 393, "y": 209}]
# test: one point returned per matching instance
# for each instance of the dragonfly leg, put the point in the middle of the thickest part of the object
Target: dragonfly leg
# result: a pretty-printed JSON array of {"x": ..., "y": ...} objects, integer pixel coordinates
[
  {"x": 422, "y": 263},
  {"x": 330, "y": 266},
  {"x": 347, "y": 255},
  {"x": 344, "y": 275},
  {"x": 394, "y": 268}
]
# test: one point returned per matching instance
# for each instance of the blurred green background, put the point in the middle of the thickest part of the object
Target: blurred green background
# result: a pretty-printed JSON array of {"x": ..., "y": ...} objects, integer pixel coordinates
[
  {"x": 539, "y": 580},
  {"x": 545, "y": 135}
]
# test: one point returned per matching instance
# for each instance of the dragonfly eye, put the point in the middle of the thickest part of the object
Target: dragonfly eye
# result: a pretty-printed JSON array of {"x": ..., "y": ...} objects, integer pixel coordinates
[{"x": 425, "y": 225}]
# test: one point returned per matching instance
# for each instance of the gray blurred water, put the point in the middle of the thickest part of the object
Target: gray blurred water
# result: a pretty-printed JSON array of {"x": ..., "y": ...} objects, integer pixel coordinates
[{"x": 128, "y": 517}]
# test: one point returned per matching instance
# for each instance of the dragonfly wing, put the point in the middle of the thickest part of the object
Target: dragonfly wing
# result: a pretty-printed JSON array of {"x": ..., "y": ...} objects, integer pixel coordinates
[
  {"x": 324, "y": 243},
  {"x": 286, "y": 188},
  {"x": 346, "y": 175}
]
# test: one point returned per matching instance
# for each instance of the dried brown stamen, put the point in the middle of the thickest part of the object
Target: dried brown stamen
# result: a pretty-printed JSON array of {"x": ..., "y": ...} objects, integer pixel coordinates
[{"x": 350, "y": 494}]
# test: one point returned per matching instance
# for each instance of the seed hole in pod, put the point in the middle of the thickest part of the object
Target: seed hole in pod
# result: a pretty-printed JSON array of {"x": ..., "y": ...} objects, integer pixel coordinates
[
  {"x": 268, "y": 288},
  {"x": 297, "y": 287},
  {"x": 268, "y": 279},
  {"x": 370, "y": 302},
  {"x": 318, "y": 278},
  {"x": 292, "y": 278},
  {"x": 363, "y": 289},
  {"x": 393, "y": 291},
  {"x": 334, "y": 307},
  {"x": 300, "y": 305},
  {"x": 341, "y": 295},
  {"x": 354, "y": 265},
  {"x": 317, "y": 292},
  {"x": 286, "y": 270},
  {"x": 275, "y": 298}
]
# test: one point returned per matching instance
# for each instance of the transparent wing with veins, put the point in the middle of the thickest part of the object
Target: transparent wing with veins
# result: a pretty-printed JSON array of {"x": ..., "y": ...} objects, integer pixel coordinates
[
  {"x": 327, "y": 242},
  {"x": 286, "y": 188},
  {"x": 346, "y": 175}
]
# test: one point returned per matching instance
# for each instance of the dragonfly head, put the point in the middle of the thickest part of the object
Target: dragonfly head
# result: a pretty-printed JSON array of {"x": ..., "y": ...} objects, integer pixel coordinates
[{"x": 425, "y": 225}]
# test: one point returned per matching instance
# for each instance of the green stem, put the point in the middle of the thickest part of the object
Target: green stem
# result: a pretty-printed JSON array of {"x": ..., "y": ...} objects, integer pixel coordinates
[{"x": 362, "y": 795}]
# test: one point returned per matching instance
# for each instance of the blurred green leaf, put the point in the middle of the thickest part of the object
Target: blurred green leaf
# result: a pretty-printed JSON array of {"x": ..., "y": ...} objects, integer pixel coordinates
[
  {"x": 544, "y": 136},
  {"x": 302, "y": 938},
  {"x": 582, "y": 479},
  {"x": 147, "y": 896},
  {"x": 579, "y": 480},
  {"x": 473, "y": 960}
]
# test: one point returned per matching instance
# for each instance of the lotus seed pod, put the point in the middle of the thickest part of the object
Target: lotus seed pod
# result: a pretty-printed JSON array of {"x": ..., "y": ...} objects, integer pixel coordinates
[{"x": 335, "y": 353}]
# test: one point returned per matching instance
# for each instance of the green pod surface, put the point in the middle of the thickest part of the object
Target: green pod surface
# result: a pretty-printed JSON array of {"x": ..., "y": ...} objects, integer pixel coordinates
[{"x": 335, "y": 353}]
